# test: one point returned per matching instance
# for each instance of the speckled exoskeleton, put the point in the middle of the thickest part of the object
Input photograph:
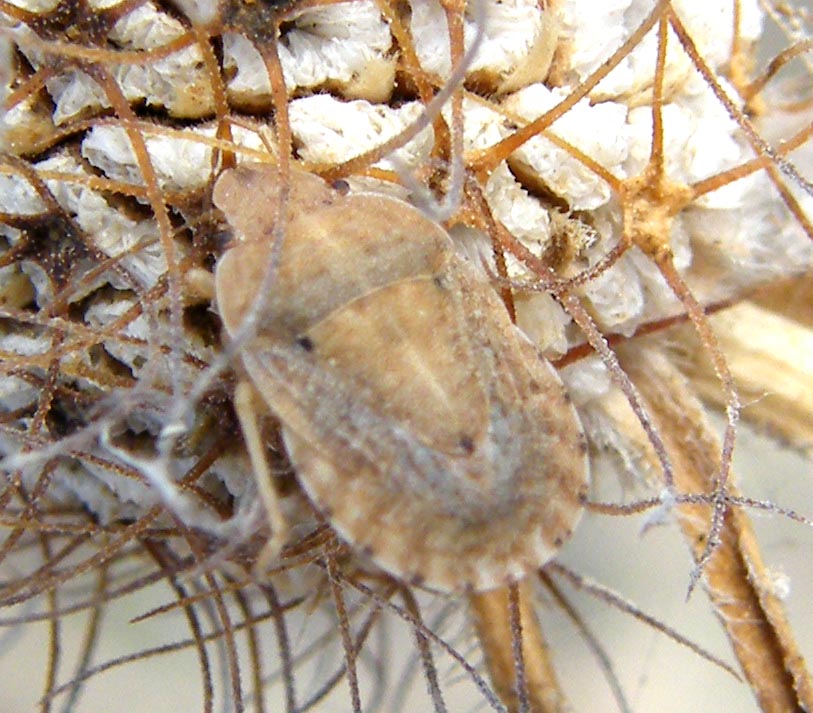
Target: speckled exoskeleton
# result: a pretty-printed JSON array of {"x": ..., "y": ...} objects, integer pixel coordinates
[{"x": 419, "y": 419}]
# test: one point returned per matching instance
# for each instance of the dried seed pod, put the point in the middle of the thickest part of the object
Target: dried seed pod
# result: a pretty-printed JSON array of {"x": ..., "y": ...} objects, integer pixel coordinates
[{"x": 418, "y": 417}]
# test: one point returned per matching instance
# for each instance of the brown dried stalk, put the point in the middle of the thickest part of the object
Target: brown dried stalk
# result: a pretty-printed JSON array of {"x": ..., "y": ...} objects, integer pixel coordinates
[
  {"x": 735, "y": 578},
  {"x": 515, "y": 650}
]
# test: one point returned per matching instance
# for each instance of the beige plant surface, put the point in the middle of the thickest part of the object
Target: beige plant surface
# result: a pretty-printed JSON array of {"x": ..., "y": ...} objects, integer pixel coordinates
[{"x": 623, "y": 191}]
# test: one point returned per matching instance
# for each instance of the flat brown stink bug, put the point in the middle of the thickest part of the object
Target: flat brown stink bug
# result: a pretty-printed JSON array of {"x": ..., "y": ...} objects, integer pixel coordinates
[{"x": 419, "y": 419}]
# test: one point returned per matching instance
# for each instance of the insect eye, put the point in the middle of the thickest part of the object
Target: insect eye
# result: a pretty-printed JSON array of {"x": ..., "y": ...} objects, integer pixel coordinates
[
  {"x": 306, "y": 343},
  {"x": 341, "y": 186}
]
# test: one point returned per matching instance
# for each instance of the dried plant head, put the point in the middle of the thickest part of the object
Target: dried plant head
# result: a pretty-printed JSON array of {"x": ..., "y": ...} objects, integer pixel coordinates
[{"x": 619, "y": 200}]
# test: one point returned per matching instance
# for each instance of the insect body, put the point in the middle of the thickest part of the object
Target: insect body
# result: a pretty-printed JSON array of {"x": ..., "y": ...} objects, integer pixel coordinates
[{"x": 418, "y": 418}]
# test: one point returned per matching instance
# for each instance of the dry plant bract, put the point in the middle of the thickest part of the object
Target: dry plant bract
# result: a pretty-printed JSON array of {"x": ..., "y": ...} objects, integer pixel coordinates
[{"x": 314, "y": 314}]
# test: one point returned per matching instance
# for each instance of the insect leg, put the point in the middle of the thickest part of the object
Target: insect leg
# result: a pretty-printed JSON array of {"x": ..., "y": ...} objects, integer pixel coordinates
[{"x": 245, "y": 404}]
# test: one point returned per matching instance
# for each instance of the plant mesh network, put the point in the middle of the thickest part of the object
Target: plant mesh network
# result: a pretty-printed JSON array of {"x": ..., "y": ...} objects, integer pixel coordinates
[{"x": 627, "y": 176}]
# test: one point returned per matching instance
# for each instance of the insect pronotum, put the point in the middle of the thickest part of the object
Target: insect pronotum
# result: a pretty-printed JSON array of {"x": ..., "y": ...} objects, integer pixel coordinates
[{"x": 420, "y": 421}]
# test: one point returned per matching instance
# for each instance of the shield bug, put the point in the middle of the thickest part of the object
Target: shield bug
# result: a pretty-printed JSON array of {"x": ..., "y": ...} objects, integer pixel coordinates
[{"x": 419, "y": 419}]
